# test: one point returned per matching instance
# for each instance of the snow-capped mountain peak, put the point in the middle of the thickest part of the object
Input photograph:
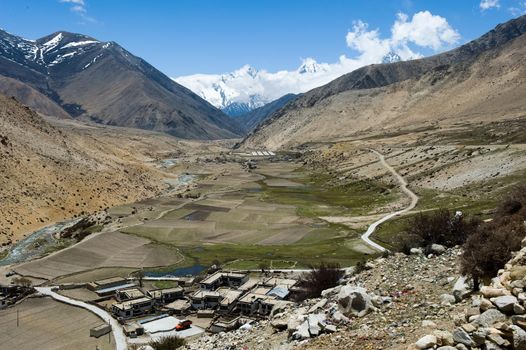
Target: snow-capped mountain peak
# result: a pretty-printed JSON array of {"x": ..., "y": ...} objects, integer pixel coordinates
[
  {"x": 391, "y": 57},
  {"x": 310, "y": 66}
]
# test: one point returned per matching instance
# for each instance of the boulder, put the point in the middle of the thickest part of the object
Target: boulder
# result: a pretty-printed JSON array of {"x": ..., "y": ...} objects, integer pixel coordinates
[
  {"x": 518, "y": 309},
  {"x": 461, "y": 289},
  {"x": 491, "y": 346},
  {"x": 485, "y": 305},
  {"x": 354, "y": 301},
  {"x": 462, "y": 337},
  {"x": 302, "y": 331},
  {"x": 519, "y": 320},
  {"x": 489, "y": 317},
  {"x": 492, "y": 292},
  {"x": 426, "y": 342},
  {"x": 447, "y": 299},
  {"x": 438, "y": 249},
  {"x": 316, "y": 321},
  {"x": 428, "y": 324},
  {"x": 518, "y": 272},
  {"x": 505, "y": 303},
  {"x": 444, "y": 338},
  {"x": 447, "y": 347},
  {"x": 280, "y": 324},
  {"x": 416, "y": 251},
  {"x": 330, "y": 328},
  {"x": 519, "y": 338}
]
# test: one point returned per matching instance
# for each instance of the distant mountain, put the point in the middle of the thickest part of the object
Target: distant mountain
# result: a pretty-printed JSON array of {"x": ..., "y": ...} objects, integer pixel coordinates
[
  {"x": 481, "y": 81},
  {"x": 252, "y": 118},
  {"x": 247, "y": 88},
  {"x": 234, "y": 109},
  {"x": 391, "y": 57},
  {"x": 102, "y": 82},
  {"x": 234, "y": 93}
]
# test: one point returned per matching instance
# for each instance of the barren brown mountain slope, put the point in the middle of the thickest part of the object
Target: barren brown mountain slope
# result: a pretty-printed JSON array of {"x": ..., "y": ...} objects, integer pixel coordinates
[
  {"x": 52, "y": 172},
  {"x": 482, "y": 87},
  {"x": 31, "y": 97}
]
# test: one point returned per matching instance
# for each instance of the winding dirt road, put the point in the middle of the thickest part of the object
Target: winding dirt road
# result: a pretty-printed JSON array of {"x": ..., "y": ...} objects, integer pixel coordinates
[{"x": 403, "y": 186}]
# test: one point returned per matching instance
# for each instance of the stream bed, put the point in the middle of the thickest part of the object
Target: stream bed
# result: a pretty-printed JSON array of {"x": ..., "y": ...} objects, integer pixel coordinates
[{"x": 36, "y": 244}]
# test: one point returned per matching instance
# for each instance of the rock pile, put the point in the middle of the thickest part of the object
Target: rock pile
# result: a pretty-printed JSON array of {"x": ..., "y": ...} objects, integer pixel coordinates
[{"x": 495, "y": 318}]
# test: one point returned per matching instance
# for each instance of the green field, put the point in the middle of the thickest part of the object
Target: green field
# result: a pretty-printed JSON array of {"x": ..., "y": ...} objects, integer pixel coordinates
[{"x": 272, "y": 215}]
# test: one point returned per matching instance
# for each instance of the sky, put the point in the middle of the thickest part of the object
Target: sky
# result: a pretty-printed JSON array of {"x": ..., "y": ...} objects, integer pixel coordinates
[{"x": 187, "y": 37}]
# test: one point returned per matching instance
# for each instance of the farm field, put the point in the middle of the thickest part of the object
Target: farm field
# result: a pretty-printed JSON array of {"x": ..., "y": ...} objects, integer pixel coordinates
[
  {"x": 107, "y": 249},
  {"x": 269, "y": 214},
  {"x": 45, "y": 324}
]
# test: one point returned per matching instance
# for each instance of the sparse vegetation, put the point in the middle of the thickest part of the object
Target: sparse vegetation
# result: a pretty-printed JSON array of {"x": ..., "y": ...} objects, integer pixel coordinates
[
  {"x": 167, "y": 343},
  {"x": 489, "y": 248},
  {"x": 139, "y": 276},
  {"x": 23, "y": 282},
  {"x": 321, "y": 277},
  {"x": 441, "y": 227}
]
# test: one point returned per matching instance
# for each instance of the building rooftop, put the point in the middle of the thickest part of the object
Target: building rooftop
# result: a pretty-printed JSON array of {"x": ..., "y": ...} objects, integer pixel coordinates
[
  {"x": 205, "y": 293},
  {"x": 252, "y": 297},
  {"x": 129, "y": 304},
  {"x": 281, "y": 282},
  {"x": 213, "y": 278},
  {"x": 229, "y": 295},
  {"x": 261, "y": 290},
  {"x": 157, "y": 293},
  {"x": 132, "y": 293},
  {"x": 114, "y": 288},
  {"x": 280, "y": 292},
  {"x": 180, "y": 304},
  {"x": 250, "y": 283}
]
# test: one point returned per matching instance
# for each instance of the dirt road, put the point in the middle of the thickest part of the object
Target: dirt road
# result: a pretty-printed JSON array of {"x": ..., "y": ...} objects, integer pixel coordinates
[{"x": 403, "y": 186}]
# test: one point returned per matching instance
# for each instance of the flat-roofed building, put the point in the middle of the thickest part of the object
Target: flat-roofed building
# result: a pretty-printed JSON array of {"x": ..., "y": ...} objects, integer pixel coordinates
[
  {"x": 178, "y": 307},
  {"x": 205, "y": 299},
  {"x": 109, "y": 286},
  {"x": 229, "y": 300},
  {"x": 223, "y": 279},
  {"x": 279, "y": 282},
  {"x": 258, "y": 304},
  {"x": 128, "y": 294},
  {"x": 167, "y": 295},
  {"x": 133, "y": 329},
  {"x": 133, "y": 308}
]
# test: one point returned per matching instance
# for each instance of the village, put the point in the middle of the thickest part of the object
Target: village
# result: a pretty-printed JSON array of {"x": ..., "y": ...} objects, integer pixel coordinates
[{"x": 186, "y": 307}]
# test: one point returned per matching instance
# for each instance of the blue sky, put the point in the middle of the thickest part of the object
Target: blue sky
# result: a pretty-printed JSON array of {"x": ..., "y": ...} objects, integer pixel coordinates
[{"x": 183, "y": 37}]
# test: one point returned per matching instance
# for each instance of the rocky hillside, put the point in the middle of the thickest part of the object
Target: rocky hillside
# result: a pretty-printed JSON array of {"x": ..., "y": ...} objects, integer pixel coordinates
[
  {"x": 103, "y": 82},
  {"x": 481, "y": 81},
  {"x": 401, "y": 302},
  {"x": 49, "y": 173}
]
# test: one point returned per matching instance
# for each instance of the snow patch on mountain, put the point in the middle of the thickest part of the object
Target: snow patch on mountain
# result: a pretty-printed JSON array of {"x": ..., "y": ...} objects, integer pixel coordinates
[{"x": 79, "y": 43}]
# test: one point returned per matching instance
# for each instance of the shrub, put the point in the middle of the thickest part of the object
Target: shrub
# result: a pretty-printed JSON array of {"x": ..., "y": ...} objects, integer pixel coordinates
[
  {"x": 441, "y": 227},
  {"x": 407, "y": 241},
  {"x": 514, "y": 203},
  {"x": 22, "y": 281},
  {"x": 321, "y": 277},
  {"x": 490, "y": 247},
  {"x": 167, "y": 343}
]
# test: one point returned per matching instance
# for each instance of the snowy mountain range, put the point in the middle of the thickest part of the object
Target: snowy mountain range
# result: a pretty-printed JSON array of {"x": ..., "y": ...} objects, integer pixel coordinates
[
  {"x": 247, "y": 88},
  {"x": 76, "y": 75}
]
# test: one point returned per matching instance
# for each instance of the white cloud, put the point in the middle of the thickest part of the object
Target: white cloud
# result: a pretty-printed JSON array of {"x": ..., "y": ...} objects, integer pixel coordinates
[
  {"x": 489, "y": 4},
  {"x": 518, "y": 10},
  {"x": 79, "y": 7},
  {"x": 423, "y": 30}
]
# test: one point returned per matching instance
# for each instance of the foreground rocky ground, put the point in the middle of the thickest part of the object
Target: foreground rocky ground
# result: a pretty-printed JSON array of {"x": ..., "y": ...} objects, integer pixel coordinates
[{"x": 398, "y": 302}]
